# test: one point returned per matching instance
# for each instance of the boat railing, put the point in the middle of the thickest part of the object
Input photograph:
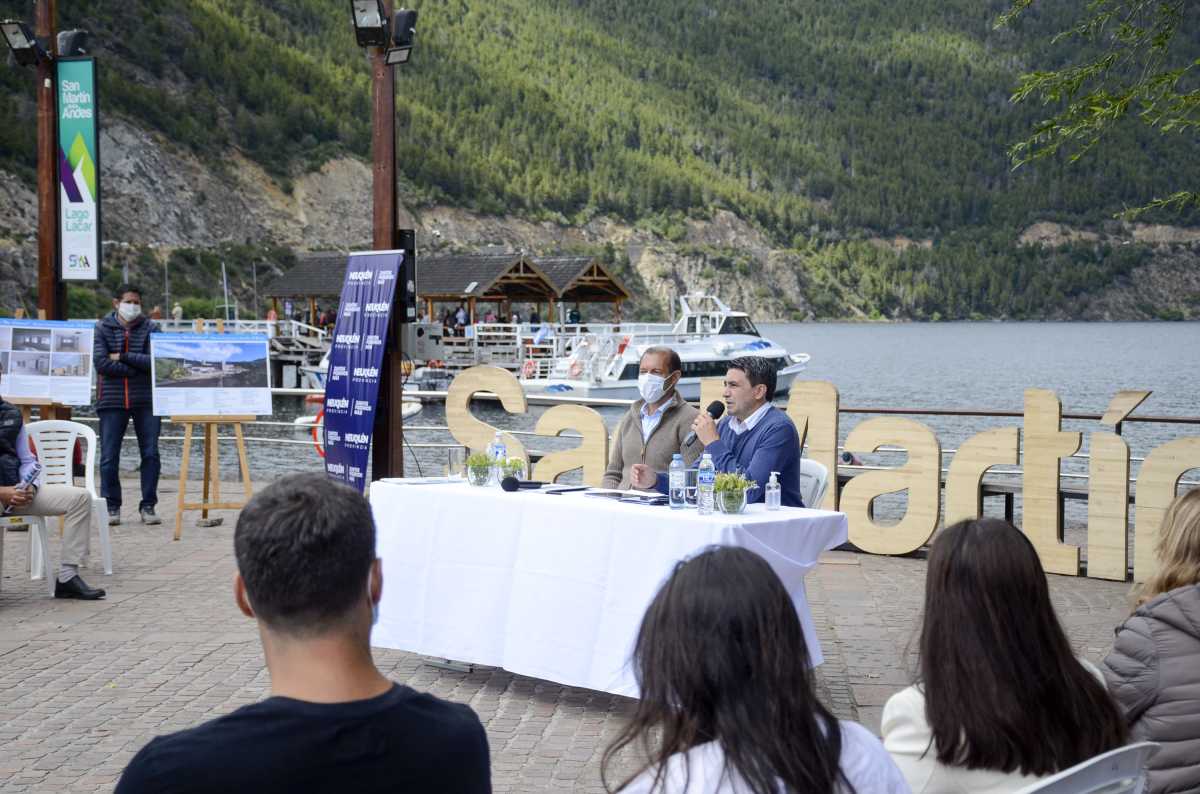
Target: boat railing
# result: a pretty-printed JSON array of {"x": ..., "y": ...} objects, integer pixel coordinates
[{"x": 272, "y": 328}]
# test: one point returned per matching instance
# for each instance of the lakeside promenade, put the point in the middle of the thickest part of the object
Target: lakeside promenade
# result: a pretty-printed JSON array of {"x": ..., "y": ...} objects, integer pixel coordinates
[{"x": 83, "y": 685}]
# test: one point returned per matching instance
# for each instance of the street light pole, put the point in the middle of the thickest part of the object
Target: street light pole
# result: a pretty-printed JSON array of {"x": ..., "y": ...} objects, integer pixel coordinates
[
  {"x": 51, "y": 292},
  {"x": 388, "y": 433}
]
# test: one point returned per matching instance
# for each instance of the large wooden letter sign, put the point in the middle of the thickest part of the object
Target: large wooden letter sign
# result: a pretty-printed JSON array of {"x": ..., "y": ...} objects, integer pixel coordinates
[{"x": 813, "y": 407}]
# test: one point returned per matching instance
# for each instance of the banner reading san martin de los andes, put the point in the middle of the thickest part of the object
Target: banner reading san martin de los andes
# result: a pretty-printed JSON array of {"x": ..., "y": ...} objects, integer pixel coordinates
[
  {"x": 78, "y": 170},
  {"x": 356, "y": 362}
]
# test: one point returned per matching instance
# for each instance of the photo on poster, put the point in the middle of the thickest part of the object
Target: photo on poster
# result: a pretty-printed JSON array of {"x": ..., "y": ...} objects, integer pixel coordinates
[
  {"x": 5, "y": 337},
  {"x": 70, "y": 365},
  {"x": 29, "y": 364},
  {"x": 31, "y": 339},
  {"x": 4, "y": 363},
  {"x": 210, "y": 364},
  {"x": 72, "y": 340}
]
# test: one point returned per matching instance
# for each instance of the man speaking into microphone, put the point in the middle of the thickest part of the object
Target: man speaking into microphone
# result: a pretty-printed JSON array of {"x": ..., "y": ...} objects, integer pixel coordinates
[{"x": 755, "y": 437}]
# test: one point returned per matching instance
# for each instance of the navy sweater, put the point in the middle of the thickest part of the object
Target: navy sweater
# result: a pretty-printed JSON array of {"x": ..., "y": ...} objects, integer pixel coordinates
[
  {"x": 124, "y": 383},
  {"x": 773, "y": 445}
]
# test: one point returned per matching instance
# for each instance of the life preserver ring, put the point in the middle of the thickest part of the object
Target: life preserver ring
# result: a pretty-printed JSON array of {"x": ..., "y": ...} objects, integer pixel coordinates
[
  {"x": 318, "y": 433},
  {"x": 576, "y": 369},
  {"x": 621, "y": 347},
  {"x": 528, "y": 368}
]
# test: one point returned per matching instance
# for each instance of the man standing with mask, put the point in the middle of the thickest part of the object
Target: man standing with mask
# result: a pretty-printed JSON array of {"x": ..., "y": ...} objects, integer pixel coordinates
[
  {"x": 121, "y": 353},
  {"x": 654, "y": 428}
]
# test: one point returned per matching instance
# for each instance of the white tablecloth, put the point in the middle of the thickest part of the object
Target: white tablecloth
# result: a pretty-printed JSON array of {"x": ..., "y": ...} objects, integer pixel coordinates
[{"x": 555, "y": 587}]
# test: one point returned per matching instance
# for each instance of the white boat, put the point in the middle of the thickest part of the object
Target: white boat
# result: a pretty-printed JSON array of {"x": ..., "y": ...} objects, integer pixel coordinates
[{"x": 602, "y": 361}]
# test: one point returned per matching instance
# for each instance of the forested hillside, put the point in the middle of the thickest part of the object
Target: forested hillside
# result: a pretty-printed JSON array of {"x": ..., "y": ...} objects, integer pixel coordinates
[{"x": 821, "y": 124}]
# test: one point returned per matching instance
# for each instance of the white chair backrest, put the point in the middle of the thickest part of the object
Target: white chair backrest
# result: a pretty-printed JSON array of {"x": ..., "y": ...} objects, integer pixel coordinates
[
  {"x": 55, "y": 442},
  {"x": 813, "y": 479},
  {"x": 1120, "y": 771}
]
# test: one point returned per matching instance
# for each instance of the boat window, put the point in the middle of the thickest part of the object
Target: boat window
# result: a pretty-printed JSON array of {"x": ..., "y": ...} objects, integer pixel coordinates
[
  {"x": 739, "y": 325},
  {"x": 704, "y": 324},
  {"x": 691, "y": 325}
]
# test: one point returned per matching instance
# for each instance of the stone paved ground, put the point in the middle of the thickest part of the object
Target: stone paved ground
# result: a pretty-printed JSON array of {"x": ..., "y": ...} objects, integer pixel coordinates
[{"x": 84, "y": 685}]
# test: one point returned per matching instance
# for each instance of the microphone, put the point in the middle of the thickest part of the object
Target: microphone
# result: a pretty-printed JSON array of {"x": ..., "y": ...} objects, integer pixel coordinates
[
  {"x": 715, "y": 409},
  {"x": 513, "y": 484}
]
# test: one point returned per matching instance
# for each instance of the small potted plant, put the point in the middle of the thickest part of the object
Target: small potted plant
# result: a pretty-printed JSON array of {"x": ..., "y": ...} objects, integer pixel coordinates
[
  {"x": 513, "y": 467},
  {"x": 479, "y": 468},
  {"x": 729, "y": 492}
]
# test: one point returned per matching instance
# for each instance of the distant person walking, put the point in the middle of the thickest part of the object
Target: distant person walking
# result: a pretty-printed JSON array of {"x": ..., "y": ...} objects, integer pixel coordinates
[
  {"x": 177, "y": 312},
  {"x": 121, "y": 354}
]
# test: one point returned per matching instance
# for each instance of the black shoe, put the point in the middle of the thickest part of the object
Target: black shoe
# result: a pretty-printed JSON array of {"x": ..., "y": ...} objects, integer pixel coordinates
[
  {"x": 114, "y": 517},
  {"x": 77, "y": 588}
]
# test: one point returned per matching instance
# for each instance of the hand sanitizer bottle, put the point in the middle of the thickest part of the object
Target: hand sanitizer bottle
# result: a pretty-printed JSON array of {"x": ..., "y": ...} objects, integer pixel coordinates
[{"x": 773, "y": 493}]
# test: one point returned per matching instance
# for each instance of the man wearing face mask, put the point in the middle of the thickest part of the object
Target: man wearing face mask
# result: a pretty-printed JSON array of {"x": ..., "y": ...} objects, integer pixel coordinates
[
  {"x": 121, "y": 353},
  {"x": 655, "y": 427}
]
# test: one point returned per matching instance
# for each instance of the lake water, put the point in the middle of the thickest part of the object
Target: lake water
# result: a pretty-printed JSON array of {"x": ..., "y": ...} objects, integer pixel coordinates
[{"x": 917, "y": 365}]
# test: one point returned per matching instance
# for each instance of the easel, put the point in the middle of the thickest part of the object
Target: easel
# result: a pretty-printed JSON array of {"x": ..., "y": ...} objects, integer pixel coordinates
[
  {"x": 211, "y": 478},
  {"x": 47, "y": 408}
]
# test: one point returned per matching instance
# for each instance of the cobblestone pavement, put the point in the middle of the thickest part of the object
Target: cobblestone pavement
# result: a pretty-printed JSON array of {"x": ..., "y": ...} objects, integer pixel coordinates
[{"x": 83, "y": 685}]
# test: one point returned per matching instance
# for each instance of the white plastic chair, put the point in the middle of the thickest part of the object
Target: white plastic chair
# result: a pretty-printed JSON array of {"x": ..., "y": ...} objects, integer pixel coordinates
[
  {"x": 55, "y": 442},
  {"x": 1120, "y": 771},
  {"x": 814, "y": 477}
]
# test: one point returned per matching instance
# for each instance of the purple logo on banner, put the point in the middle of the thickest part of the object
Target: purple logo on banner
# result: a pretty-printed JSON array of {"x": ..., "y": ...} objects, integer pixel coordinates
[{"x": 355, "y": 363}]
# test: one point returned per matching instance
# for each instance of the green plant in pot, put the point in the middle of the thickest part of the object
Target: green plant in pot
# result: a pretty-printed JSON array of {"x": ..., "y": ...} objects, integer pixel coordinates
[
  {"x": 729, "y": 492},
  {"x": 479, "y": 468},
  {"x": 513, "y": 467}
]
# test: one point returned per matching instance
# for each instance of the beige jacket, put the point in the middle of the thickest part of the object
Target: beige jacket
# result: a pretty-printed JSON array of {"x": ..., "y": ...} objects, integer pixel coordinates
[{"x": 656, "y": 452}]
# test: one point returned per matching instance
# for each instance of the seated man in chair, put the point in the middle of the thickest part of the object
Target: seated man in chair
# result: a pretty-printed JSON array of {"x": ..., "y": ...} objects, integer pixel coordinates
[
  {"x": 16, "y": 463},
  {"x": 754, "y": 438}
]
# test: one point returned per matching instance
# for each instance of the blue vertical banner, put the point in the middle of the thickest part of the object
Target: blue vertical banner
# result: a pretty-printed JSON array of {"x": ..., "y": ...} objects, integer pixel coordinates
[{"x": 356, "y": 362}]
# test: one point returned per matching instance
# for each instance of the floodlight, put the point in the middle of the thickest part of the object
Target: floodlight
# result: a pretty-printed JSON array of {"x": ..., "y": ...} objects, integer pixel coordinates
[
  {"x": 72, "y": 43},
  {"x": 370, "y": 23},
  {"x": 24, "y": 46},
  {"x": 397, "y": 55},
  {"x": 404, "y": 27}
]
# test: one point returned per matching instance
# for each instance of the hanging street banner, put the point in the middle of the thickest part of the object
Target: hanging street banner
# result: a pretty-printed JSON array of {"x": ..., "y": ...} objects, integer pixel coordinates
[
  {"x": 355, "y": 362},
  {"x": 78, "y": 170}
]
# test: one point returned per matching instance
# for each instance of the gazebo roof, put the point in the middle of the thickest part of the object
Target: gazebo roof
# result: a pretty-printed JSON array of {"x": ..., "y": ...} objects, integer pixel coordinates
[
  {"x": 452, "y": 277},
  {"x": 582, "y": 279}
]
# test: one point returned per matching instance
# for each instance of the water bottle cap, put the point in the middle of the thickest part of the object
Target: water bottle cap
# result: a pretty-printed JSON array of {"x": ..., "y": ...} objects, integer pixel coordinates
[
  {"x": 707, "y": 456},
  {"x": 677, "y": 456}
]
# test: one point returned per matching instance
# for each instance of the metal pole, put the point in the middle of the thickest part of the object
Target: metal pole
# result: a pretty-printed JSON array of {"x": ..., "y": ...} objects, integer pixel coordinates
[
  {"x": 254, "y": 275},
  {"x": 225, "y": 284},
  {"x": 51, "y": 290},
  {"x": 388, "y": 433},
  {"x": 167, "y": 285}
]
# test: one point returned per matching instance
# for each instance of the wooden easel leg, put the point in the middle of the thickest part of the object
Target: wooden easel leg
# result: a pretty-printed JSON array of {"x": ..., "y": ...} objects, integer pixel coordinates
[
  {"x": 216, "y": 466},
  {"x": 207, "y": 469},
  {"x": 183, "y": 478},
  {"x": 241, "y": 450}
]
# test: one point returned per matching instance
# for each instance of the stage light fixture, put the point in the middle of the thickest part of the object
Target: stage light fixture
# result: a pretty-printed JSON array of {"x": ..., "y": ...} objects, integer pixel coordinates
[
  {"x": 370, "y": 23},
  {"x": 404, "y": 29},
  {"x": 72, "y": 43},
  {"x": 25, "y": 48}
]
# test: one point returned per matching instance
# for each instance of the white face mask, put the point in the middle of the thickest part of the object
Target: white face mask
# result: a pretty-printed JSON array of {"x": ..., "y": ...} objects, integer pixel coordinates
[
  {"x": 650, "y": 386},
  {"x": 129, "y": 311}
]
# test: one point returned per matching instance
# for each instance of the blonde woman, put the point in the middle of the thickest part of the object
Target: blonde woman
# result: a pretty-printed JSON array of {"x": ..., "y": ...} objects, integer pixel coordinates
[{"x": 1154, "y": 668}]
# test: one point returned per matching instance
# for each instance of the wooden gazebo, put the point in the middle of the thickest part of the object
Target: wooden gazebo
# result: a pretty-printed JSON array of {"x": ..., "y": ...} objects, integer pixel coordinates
[
  {"x": 472, "y": 278},
  {"x": 466, "y": 278}
]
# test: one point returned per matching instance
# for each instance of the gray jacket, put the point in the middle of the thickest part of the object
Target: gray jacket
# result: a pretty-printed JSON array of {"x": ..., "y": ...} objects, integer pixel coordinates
[{"x": 1154, "y": 673}]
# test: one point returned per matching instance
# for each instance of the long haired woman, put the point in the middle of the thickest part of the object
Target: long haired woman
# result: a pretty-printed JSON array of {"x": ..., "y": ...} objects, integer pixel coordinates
[
  {"x": 1000, "y": 699},
  {"x": 727, "y": 701},
  {"x": 1154, "y": 667}
]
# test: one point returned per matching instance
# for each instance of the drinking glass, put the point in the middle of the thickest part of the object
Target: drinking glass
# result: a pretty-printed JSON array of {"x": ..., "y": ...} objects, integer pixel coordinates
[
  {"x": 456, "y": 462},
  {"x": 689, "y": 486}
]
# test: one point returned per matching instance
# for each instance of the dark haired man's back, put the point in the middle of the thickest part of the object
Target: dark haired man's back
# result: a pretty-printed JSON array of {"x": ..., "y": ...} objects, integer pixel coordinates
[{"x": 399, "y": 741}]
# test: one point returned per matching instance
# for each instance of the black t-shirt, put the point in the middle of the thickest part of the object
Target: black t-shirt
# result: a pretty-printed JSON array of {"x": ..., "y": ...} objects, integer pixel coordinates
[{"x": 400, "y": 741}]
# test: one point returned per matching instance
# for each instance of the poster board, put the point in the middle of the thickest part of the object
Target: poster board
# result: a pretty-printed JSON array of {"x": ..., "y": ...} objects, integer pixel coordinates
[
  {"x": 47, "y": 359},
  {"x": 211, "y": 374}
]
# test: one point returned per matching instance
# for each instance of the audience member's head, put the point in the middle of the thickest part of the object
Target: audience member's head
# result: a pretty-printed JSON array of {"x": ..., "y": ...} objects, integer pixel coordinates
[
  {"x": 721, "y": 657},
  {"x": 305, "y": 549},
  {"x": 1177, "y": 549},
  {"x": 1003, "y": 689},
  {"x": 749, "y": 382}
]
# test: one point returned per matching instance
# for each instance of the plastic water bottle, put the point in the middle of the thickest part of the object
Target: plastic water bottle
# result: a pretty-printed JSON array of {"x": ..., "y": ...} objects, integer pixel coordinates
[
  {"x": 773, "y": 492},
  {"x": 498, "y": 452},
  {"x": 706, "y": 479},
  {"x": 677, "y": 481}
]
